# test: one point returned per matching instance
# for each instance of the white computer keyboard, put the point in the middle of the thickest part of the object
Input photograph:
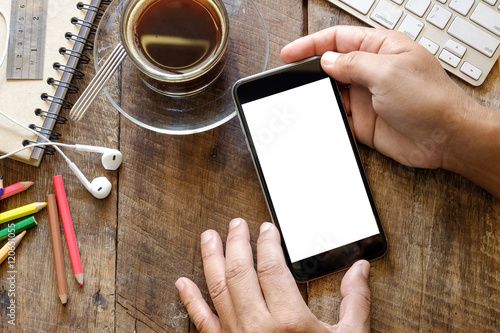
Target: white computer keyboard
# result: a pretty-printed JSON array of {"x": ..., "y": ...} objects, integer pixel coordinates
[{"x": 463, "y": 34}]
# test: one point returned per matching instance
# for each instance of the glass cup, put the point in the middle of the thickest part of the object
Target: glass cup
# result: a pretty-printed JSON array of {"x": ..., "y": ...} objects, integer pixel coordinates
[{"x": 179, "y": 46}]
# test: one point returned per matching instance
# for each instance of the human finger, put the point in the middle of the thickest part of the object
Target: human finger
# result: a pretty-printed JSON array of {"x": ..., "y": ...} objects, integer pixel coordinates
[
  {"x": 276, "y": 280},
  {"x": 199, "y": 311},
  {"x": 241, "y": 276},
  {"x": 364, "y": 68},
  {"x": 214, "y": 267},
  {"x": 355, "y": 312},
  {"x": 344, "y": 39}
]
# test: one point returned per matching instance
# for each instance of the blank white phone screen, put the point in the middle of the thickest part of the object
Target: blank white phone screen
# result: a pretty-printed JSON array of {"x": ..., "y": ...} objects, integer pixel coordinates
[{"x": 310, "y": 169}]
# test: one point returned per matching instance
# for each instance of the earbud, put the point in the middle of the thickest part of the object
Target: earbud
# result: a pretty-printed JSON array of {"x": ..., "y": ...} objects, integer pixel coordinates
[
  {"x": 100, "y": 187},
  {"x": 111, "y": 158}
]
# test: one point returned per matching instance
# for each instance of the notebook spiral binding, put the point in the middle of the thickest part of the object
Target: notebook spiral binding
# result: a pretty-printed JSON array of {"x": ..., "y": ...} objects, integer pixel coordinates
[
  {"x": 48, "y": 150},
  {"x": 87, "y": 44},
  {"x": 69, "y": 72}
]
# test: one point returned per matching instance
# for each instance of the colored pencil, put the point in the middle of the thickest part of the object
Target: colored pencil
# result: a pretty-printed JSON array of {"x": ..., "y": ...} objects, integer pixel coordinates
[
  {"x": 62, "y": 283},
  {"x": 30, "y": 222},
  {"x": 21, "y": 211},
  {"x": 10, "y": 246},
  {"x": 15, "y": 189},
  {"x": 1, "y": 186},
  {"x": 69, "y": 231}
]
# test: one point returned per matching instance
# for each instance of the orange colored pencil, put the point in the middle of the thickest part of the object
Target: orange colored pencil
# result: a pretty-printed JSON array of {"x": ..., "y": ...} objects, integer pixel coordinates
[
  {"x": 15, "y": 189},
  {"x": 10, "y": 245}
]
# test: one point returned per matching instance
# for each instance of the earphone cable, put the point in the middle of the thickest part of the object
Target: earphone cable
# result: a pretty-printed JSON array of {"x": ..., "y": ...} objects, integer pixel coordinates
[
  {"x": 53, "y": 144},
  {"x": 48, "y": 142}
]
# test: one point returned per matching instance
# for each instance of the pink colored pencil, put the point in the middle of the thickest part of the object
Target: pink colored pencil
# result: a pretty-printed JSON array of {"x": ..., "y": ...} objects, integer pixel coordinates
[
  {"x": 15, "y": 189},
  {"x": 69, "y": 231}
]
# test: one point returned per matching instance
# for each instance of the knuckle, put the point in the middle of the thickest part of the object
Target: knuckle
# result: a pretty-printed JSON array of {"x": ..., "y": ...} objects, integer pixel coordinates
[
  {"x": 203, "y": 324},
  {"x": 366, "y": 295},
  {"x": 350, "y": 60},
  {"x": 237, "y": 270},
  {"x": 208, "y": 253},
  {"x": 218, "y": 289},
  {"x": 189, "y": 302},
  {"x": 269, "y": 268},
  {"x": 236, "y": 237}
]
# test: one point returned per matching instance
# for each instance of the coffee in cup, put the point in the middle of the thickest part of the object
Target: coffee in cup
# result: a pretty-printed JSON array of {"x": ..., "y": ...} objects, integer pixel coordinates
[{"x": 179, "y": 46}]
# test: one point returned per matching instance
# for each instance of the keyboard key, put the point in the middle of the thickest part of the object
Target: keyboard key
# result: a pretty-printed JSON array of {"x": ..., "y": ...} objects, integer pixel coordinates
[
  {"x": 471, "y": 70},
  {"x": 418, "y": 7},
  {"x": 491, "y": 2},
  {"x": 455, "y": 48},
  {"x": 399, "y": 2},
  {"x": 411, "y": 26},
  {"x": 487, "y": 18},
  {"x": 461, "y": 6},
  {"x": 429, "y": 45},
  {"x": 449, "y": 58},
  {"x": 474, "y": 37},
  {"x": 386, "y": 14},
  {"x": 439, "y": 16},
  {"x": 362, "y": 6}
]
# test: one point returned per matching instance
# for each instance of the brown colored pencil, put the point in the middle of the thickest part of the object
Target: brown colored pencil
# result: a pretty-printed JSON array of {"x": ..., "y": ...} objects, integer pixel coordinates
[{"x": 62, "y": 284}]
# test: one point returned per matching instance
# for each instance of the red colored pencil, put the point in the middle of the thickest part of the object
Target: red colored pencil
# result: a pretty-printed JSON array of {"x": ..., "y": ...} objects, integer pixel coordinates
[
  {"x": 15, "y": 189},
  {"x": 69, "y": 231}
]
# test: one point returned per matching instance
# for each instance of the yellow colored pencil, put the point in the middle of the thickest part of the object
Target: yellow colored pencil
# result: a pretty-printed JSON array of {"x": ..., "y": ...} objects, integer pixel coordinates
[
  {"x": 10, "y": 246},
  {"x": 21, "y": 211}
]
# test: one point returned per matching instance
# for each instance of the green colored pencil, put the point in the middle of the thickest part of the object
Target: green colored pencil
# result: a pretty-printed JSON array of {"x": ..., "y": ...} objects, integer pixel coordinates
[{"x": 30, "y": 222}]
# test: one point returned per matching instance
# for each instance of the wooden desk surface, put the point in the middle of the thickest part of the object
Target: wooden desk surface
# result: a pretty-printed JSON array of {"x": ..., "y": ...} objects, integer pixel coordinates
[{"x": 441, "y": 273}]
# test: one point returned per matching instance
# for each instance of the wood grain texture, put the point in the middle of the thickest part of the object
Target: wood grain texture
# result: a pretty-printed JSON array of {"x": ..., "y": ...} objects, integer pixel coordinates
[
  {"x": 172, "y": 188},
  {"x": 441, "y": 271}
]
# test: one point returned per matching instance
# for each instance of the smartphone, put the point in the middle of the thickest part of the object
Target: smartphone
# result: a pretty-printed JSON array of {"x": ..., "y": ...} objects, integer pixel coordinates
[{"x": 309, "y": 167}]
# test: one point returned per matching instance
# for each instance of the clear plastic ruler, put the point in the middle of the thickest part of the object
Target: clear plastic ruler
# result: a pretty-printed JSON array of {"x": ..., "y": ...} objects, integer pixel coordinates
[{"x": 28, "y": 23}]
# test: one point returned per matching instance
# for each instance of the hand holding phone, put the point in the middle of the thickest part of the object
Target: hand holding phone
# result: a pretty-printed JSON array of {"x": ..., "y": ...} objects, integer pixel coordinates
[{"x": 309, "y": 168}]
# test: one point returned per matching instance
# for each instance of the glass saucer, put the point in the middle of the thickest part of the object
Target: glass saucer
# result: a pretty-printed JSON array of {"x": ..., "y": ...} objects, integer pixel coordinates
[{"x": 248, "y": 54}]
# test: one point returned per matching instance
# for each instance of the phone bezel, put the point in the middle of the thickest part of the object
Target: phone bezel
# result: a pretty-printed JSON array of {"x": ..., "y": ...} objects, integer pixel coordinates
[{"x": 282, "y": 79}]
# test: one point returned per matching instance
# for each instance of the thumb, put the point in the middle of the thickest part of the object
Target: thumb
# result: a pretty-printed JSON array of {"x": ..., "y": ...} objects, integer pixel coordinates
[
  {"x": 355, "y": 307},
  {"x": 354, "y": 67}
]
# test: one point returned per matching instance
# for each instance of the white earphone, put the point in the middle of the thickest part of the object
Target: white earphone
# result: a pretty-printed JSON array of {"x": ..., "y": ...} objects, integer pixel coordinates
[{"x": 111, "y": 160}]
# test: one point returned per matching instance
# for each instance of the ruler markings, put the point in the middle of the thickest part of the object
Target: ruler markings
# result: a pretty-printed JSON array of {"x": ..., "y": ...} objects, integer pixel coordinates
[{"x": 27, "y": 39}]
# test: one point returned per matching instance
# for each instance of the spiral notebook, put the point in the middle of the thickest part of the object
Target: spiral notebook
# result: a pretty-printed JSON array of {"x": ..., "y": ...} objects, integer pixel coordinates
[{"x": 45, "y": 45}]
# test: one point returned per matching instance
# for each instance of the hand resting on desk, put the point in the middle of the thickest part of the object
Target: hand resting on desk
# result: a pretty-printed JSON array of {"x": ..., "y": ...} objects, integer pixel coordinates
[
  {"x": 266, "y": 299},
  {"x": 402, "y": 103}
]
